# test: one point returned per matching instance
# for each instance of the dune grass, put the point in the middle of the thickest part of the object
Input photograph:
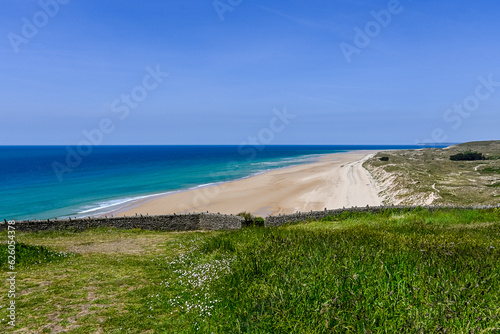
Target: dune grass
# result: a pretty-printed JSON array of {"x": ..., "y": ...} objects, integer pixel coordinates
[
  {"x": 428, "y": 176},
  {"x": 398, "y": 271}
]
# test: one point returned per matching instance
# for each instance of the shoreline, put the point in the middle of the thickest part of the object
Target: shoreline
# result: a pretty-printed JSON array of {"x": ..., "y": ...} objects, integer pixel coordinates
[
  {"x": 141, "y": 199},
  {"x": 336, "y": 180}
]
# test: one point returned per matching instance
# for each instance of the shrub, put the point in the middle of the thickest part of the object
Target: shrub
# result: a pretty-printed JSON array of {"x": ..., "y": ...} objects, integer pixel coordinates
[
  {"x": 258, "y": 221},
  {"x": 384, "y": 159},
  {"x": 246, "y": 215},
  {"x": 251, "y": 220},
  {"x": 468, "y": 156}
]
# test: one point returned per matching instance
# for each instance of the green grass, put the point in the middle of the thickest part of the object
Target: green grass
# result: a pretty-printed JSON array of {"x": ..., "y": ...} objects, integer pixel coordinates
[
  {"x": 490, "y": 170},
  {"x": 400, "y": 271},
  {"x": 26, "y": 255}
]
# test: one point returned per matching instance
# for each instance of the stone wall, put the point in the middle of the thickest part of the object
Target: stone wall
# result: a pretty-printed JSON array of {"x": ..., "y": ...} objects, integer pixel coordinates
[
  {"x": 187, "y": 222},
  {"x": 215, "y": 222},
  {"x": 197, "y": 221},
  {"x": 274, "y": 221}
]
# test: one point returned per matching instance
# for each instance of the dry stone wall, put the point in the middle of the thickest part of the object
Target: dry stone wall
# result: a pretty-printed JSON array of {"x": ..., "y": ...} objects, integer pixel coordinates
[
  {"x": 198, "y": 221},
  {"x": 275, "y": 221},
  {"x": 188, "y": 222}
]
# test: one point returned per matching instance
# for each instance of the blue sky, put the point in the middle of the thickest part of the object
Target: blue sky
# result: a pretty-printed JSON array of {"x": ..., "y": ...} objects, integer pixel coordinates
[{"x": 429, "y": 72}]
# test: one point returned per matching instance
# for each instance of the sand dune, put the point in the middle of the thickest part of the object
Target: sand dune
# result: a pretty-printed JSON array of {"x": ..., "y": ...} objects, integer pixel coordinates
[{"x": 337, "y": 181}]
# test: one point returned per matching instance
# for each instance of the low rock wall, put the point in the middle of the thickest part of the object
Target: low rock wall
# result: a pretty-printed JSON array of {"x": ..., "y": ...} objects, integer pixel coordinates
[
  {"x": 198, "y": 221},
  {"x": 274, "y": 221},
  {"x": 187, "y": 222}
]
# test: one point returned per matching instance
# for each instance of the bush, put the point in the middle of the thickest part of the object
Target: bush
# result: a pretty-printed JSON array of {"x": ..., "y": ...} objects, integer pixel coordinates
[
  {"x": 258, "y": 221},
  {"x": 468, "y": 156},
  {"x": 384, "y": 159},
  {"x": 251, "y": 220}
]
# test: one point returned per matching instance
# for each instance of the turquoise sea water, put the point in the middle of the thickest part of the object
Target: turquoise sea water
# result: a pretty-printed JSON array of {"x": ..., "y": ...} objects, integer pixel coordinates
[{"x": 58, "y": 181}]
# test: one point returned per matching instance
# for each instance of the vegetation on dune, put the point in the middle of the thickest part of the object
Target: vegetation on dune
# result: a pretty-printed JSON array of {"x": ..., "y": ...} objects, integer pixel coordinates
[
  {"x": 490, "y": 170},
  {"x": 429, "y": 177},
  {"x": 405, "y": 271},
  {"x": 467, "y": 156}
]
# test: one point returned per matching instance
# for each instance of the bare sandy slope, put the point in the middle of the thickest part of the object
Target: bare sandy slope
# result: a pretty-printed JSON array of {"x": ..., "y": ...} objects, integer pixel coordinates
[{"x": 338, "y": 180}]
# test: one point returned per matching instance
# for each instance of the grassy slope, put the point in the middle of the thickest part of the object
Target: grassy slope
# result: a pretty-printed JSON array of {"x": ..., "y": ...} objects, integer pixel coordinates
[
  {"x": 397, "y": 271},
  {"x": 419, "y": 177}
]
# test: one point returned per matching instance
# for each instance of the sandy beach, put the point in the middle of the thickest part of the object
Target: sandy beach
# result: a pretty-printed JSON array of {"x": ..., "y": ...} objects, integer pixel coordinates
[{"x": 337, "y": 180}]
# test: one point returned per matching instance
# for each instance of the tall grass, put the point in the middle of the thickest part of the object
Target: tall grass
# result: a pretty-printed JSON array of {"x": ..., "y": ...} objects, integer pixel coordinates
[
  {"x": 26, "y": 255},
  {"x": 396, "y": 272}
]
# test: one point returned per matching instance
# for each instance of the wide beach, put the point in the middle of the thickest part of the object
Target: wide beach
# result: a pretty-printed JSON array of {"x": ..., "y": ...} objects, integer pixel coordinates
[{"x": 337, "y": 180}]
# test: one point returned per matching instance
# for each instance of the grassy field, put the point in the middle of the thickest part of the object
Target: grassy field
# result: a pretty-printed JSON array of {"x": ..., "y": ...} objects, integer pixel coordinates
[
  {"x": 428, "y": 176},
  {"x": 397, "y": 271}
]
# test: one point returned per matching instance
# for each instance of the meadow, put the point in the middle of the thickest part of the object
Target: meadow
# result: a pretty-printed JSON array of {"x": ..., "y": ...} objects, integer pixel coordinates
[{"x": 404, "y": 271}]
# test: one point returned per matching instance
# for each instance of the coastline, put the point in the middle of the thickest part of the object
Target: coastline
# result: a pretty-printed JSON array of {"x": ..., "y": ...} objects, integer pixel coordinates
[{"x": 337, "y": 180}]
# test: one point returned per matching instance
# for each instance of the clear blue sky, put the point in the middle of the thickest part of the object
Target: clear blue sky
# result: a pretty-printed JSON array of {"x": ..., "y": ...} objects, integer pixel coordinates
[{"x": 227, "y": 76}]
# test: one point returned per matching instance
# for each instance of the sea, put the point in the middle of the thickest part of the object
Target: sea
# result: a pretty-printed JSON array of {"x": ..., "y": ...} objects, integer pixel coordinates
[{"x": 46, "y": 182}]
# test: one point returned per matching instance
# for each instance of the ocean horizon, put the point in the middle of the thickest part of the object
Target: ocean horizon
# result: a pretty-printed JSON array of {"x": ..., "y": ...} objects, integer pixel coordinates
[{"x": 41, "y": 182}]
